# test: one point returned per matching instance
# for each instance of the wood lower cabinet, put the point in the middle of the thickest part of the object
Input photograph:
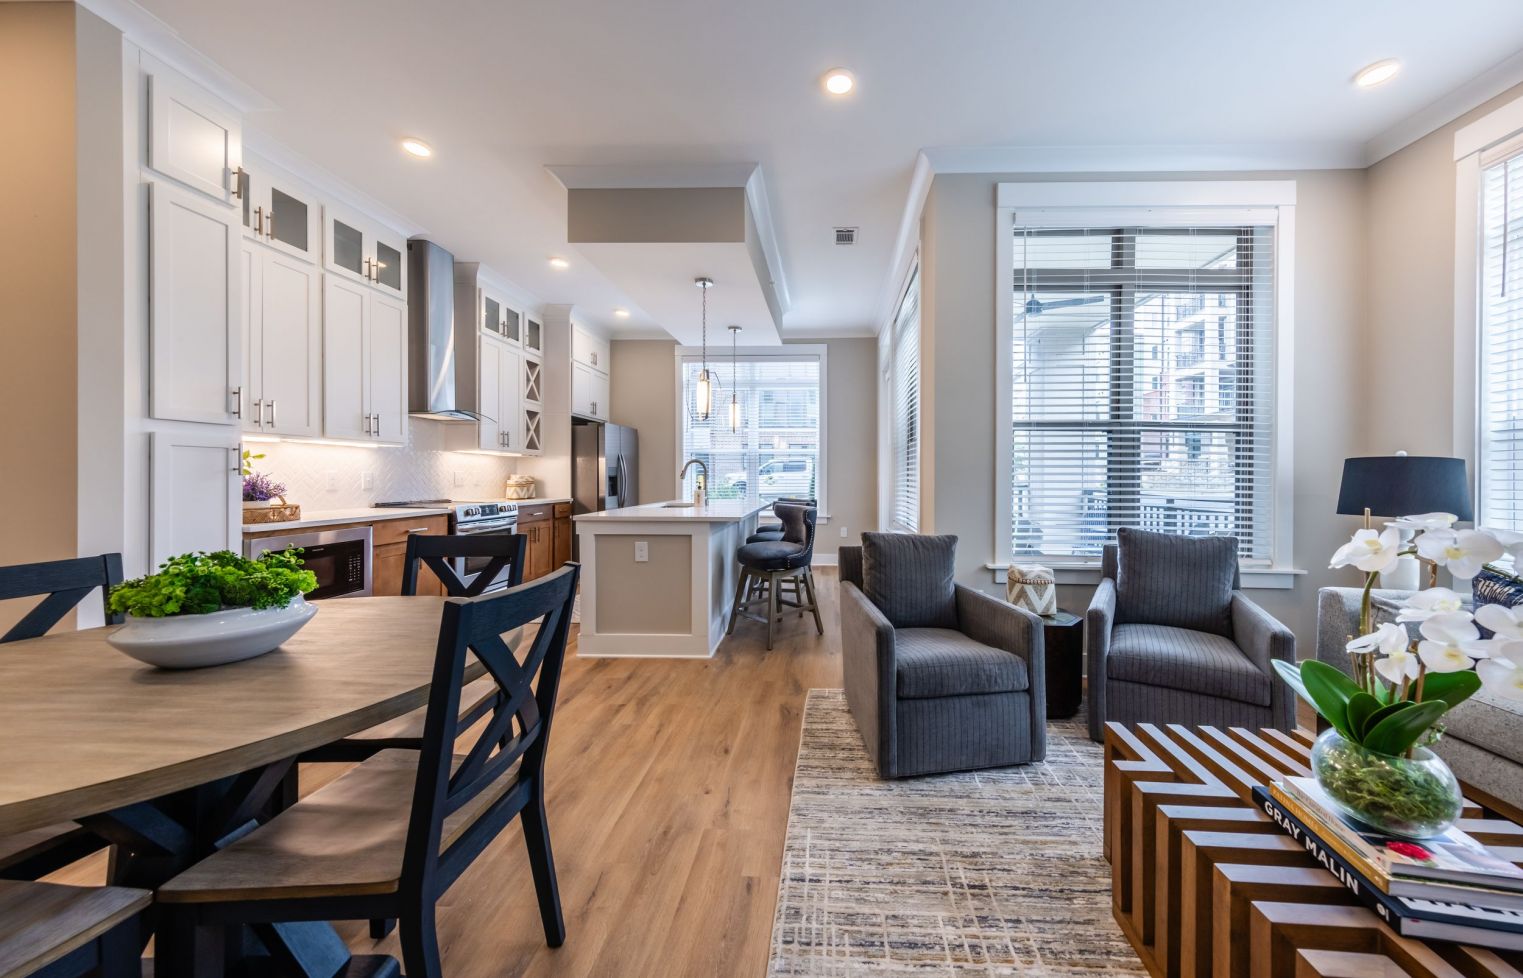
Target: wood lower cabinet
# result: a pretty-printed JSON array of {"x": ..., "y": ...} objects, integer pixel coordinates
[{"x": 548, "y": 528}]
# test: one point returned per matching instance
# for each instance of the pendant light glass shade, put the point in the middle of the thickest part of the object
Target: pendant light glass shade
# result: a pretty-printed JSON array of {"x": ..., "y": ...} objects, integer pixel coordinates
[
  {"x": 703, "y": 395},
  {"x": 734, "y": 381},
  {"x": 703, "y": 390}
]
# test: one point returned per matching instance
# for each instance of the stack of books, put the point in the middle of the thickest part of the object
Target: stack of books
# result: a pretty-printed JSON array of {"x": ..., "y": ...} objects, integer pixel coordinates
[{"x": 1448, "y": 888}]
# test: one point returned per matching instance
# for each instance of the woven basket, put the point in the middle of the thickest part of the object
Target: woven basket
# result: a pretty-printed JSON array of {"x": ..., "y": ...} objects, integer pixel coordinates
[
  {"x": 519, "y": 487},
  {"x": 281, "y": 512},
  {"x": 1033, "y": 588}
]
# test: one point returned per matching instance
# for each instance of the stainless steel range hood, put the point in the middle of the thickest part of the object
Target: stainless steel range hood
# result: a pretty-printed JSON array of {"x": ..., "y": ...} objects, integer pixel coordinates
[{"x": 441, "y": 346}]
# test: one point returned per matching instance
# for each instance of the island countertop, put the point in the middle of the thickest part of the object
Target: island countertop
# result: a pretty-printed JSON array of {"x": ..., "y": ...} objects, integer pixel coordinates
[{"x": 717, "y": 511}]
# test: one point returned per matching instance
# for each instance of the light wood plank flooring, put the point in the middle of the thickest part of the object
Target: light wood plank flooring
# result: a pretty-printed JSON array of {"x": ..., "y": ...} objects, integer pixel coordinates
[{"x": 669, "y": 784}]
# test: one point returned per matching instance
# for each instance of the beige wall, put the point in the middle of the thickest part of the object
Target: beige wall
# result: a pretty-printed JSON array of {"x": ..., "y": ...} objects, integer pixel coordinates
[
  {"x": 37, "y": 328},
  {"x": 1410, "y": 292},
  {"x": 958, "y": 267},
  {"x": 644, "y": 384}
]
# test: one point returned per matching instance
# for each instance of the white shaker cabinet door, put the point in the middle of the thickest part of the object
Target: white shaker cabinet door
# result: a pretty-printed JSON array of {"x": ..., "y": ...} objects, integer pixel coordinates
[
  {"x": 195, "y": 324},
  {"x": 192, "y": 138},
  {"x": 387, "y": 339},
  {"x": 251, "y": 416},
  {"x": 346, "y": 413},
  {"x": 510, "y": 402},
  {"x": 600, "y": 396},
  {"x": 581, "y": 389},
  {"x": 291, "y": 345},
  {"x": 491, "y": 430},
  {"x": 195, "y": 494}
]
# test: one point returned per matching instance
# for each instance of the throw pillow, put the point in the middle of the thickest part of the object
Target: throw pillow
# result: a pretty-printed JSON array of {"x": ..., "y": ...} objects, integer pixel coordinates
[
  {"x": 1186, "y": 582},
  {"x": 910, "y": 578}
]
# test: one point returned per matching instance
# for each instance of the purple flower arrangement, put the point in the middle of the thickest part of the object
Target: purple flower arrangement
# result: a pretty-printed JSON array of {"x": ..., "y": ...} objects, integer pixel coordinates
[{"x": 259, "y": 488}]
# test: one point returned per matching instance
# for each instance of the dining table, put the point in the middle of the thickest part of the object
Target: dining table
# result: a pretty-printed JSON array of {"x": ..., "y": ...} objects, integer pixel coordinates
[{"x": 170, "y": 765}]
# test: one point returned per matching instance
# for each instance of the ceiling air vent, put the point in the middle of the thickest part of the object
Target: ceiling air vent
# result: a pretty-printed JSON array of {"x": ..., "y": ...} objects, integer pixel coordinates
[{"x": 846, "y": 236}]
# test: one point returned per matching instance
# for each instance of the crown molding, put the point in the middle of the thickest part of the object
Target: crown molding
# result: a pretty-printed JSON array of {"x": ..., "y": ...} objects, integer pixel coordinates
[{"x": 1444, "y": 110}]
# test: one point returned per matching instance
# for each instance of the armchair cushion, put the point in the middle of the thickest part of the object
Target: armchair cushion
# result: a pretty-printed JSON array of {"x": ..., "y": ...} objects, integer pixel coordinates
[
  {"x": 1183, "y": 582},
  {"x": 1185, "y": 659},
  {"x": 910, "y": 578},
  {"x": 932, "y": 662}
]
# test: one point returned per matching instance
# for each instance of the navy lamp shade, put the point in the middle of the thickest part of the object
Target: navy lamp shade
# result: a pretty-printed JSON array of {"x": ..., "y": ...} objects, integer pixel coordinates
[{"x": 1405, "y": 485}]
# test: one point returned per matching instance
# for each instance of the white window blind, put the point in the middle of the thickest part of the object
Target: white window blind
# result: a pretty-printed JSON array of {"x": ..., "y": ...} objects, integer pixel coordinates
[
  {"x": 904, "y": 411},
  {"x": 1501, "y": 342},
  {"x": 777, "y": 451},
  {"x": 1142, "y": 384}
]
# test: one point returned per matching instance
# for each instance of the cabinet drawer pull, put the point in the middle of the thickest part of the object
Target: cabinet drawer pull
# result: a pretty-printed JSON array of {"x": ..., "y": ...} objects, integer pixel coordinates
[
  {"x": 420, "y": 529},
  {"x": 271, "y": 405},
  {"x": 238, "y": 183},
  {"x": 238, "y": 402},
  {"x": 258, "y": 221},
  {"x": 259, "y": 412},
  {"x": 269, "y": 225}
]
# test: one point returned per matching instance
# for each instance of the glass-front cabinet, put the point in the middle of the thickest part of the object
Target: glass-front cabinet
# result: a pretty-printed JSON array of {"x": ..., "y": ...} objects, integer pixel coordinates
[
  {"x": 499, "y": 317},
  {"x": 361, "y": 249},
  {"x": 278, "y": 210},
  {"x": 534, "y": 334}
]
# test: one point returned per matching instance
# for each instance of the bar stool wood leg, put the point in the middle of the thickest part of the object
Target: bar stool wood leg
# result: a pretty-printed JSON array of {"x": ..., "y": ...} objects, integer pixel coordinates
[
  {"x": 814, "y": 601},
  {"x": 742, "y": 596},
  {"x": 772, "y": 611}
]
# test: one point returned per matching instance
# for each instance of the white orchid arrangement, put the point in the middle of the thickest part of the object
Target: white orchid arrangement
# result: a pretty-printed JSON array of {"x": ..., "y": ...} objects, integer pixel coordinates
[{"x": 1403, "y": 686}]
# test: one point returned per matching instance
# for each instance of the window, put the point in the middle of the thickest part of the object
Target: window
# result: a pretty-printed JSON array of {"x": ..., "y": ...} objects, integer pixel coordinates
[
  {"x": 1103, "y": 435},
  {"x": 904, "y": 411},
  {"x": 1501, "y": 340},
  {"x": 779, "y": 450}
]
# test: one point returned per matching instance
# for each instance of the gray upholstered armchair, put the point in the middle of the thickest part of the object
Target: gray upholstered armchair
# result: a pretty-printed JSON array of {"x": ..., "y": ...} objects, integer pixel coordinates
[
  {"x": 1170, "y": 638},
  {"x": 939, "y": 677}
]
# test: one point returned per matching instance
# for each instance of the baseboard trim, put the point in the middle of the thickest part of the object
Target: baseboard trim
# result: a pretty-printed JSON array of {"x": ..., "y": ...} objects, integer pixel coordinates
[{"x": 824, "y": 560}]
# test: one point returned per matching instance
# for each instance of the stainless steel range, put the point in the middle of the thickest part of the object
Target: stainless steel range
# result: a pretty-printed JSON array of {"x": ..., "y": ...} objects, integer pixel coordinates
[{"x": 470, "y": 519}]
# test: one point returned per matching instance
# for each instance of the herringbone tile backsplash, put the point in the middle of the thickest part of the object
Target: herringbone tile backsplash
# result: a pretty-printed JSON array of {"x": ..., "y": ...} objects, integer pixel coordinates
[{"x": 321, "y": 477}]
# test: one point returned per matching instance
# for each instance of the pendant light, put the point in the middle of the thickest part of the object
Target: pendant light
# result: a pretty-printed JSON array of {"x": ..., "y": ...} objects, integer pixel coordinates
[
  {"x": 734, "y": 380},
  {"x": 703, "y": 391}
]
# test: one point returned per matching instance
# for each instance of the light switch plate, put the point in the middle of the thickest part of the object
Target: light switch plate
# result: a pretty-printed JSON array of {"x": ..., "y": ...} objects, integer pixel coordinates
[
  {"x": 367, "y": 480},
  {"x": 642, "y": 551},
  {"x": 843, "y": 533},
  {"x": 332, "y": 478},
  {"x": 459, "y": 478}
]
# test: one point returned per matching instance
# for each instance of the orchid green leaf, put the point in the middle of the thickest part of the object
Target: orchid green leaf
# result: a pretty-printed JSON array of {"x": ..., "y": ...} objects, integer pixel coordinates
[
  {"x": 1361, "y": 706},
  {"x": 1451, "y": 688},
  {"x": 1399, "y": 731},
  {"x": 1330, "y": 691}
]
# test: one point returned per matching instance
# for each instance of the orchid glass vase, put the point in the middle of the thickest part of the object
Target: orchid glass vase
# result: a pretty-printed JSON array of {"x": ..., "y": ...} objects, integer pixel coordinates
[{"x": 1414, "y": 796}]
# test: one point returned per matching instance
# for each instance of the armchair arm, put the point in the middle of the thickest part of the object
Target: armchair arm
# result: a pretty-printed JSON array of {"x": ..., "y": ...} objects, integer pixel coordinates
[
  {"x": 871, "y": 679},
  {"x": 1262, "y": 638},
  {"x": 1001, "y": 625},
  {"x": 1098, "y": 622}
]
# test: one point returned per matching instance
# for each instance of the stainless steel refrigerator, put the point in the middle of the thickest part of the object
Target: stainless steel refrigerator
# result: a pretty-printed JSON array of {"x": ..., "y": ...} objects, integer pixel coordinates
[{"x": 605, "y": 466}]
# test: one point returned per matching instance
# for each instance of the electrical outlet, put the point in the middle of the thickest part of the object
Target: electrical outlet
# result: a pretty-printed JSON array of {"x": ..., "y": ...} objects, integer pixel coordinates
[
  {"x": 843, "y": 533},
  {"x": 642, "y": 551},
  {"x": 459, "y": 478},
  {"x": 367, "y": 479},
  {"x": 332, "y": 478}
]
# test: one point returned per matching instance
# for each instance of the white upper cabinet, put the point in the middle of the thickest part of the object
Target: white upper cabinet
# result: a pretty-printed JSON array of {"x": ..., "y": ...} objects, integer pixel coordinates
[
  {"x": 283, "y": 333},
  {"x": 279, "y": 210},
  {"x": 589, "y": 392},
  {"x": 534, "y": 333},
  {"x": 192, "y": 137},
  {"x": 501, "y": 396},
  {"x": 364, "y": 377},
  {"x": 589, "y": 348},
  {"x": 194, "y": 492},
  {"x": 195, "y": 325},
  {"x": 361, "y": 249}
]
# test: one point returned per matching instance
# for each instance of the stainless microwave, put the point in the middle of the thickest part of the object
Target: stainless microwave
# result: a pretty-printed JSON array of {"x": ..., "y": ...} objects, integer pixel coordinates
[{"x": 339, "y": 558}]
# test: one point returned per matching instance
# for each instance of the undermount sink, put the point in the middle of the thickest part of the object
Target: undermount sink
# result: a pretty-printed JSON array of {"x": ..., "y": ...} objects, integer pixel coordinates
[{"x": 678, "y": 504}]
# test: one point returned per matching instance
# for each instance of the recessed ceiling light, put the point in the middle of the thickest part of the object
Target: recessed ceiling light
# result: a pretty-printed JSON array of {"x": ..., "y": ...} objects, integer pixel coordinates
[
  {"x": 1377, "y": 73},
  {"x": 839, "y": 81},
  {"x": 556, "y": 261},
  {"x": 418, "y": 148},
  {"x": 622, "y": 313}
]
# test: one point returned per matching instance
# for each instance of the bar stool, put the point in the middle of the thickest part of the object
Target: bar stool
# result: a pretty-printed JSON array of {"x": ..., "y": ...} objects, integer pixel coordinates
[
  {"x": 774, "y": 531},
  {"x": 777, "y": 573}
]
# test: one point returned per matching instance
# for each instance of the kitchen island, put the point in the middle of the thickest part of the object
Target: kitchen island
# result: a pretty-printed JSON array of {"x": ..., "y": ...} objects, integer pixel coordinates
[{"x": 657, "y": 580}]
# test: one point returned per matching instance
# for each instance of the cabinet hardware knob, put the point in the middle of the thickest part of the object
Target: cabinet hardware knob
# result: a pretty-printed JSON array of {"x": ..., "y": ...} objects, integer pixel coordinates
[
  {"x": 238, "y": 402},
  {"x": 378, "y": 424},
  {"x": 419, "y": 529},
  {"x": 271, "y": 405},
  {"x": 259, "y": 412},
  {"x": 269, "y": 225},
  {"x": 238, "y": 183},
  {"x": 258, "y": 221},
  {"x": 237, "y": 460}
]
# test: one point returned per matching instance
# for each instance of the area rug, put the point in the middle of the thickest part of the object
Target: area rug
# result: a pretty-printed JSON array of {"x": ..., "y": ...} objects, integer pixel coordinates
[{"x": 986, "y": 873}]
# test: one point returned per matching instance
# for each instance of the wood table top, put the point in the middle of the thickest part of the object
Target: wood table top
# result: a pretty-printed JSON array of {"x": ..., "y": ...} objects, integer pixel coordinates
[{"x": 85, "y": 729}]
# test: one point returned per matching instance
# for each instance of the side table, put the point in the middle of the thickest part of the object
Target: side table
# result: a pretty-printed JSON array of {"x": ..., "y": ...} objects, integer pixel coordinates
[{"x": 1063, "y": 638}]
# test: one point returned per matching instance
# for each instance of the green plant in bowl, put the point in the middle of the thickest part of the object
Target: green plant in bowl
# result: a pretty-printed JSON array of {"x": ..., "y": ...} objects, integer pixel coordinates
[{"x": 200, "y": 583}]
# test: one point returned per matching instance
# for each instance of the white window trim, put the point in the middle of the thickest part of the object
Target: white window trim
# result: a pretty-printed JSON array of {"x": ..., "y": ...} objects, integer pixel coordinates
[
  {"x": 792, "y": 351},
  {"x": 1472, "y": 144},
  {"x": 1083, "y": 203}
]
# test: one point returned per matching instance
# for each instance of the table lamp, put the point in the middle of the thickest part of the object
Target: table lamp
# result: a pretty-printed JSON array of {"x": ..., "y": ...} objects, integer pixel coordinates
[{"x": 1404, "y": 485}]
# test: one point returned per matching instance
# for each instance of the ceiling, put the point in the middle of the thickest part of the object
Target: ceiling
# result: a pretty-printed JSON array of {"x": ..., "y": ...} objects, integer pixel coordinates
[{"x": 502, "y": 89}]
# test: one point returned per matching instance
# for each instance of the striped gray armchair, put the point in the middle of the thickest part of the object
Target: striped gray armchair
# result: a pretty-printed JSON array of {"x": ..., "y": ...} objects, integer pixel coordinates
[
  {"x": 939, "y": 677},
  {"x": 1170, "y": 638}
]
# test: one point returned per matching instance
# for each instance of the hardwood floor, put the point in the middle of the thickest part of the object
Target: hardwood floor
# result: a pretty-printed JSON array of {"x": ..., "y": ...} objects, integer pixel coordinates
[{"x": 669, "y": 784}]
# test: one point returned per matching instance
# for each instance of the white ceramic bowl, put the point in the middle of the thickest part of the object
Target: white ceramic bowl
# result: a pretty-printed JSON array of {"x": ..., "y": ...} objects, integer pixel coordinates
[{"x": 192, "y": 641}]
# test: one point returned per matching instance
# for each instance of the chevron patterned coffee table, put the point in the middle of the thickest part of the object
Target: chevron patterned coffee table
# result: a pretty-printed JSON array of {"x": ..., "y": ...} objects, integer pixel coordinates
[{"x": 1203, "y": 883}]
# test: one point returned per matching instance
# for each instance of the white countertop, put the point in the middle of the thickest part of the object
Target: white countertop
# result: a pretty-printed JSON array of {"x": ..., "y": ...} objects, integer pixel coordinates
[
  {"x": 331, "y": 517},
  {"x": 719, "y": 511},
  {"x": 536, "y": 501}
]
